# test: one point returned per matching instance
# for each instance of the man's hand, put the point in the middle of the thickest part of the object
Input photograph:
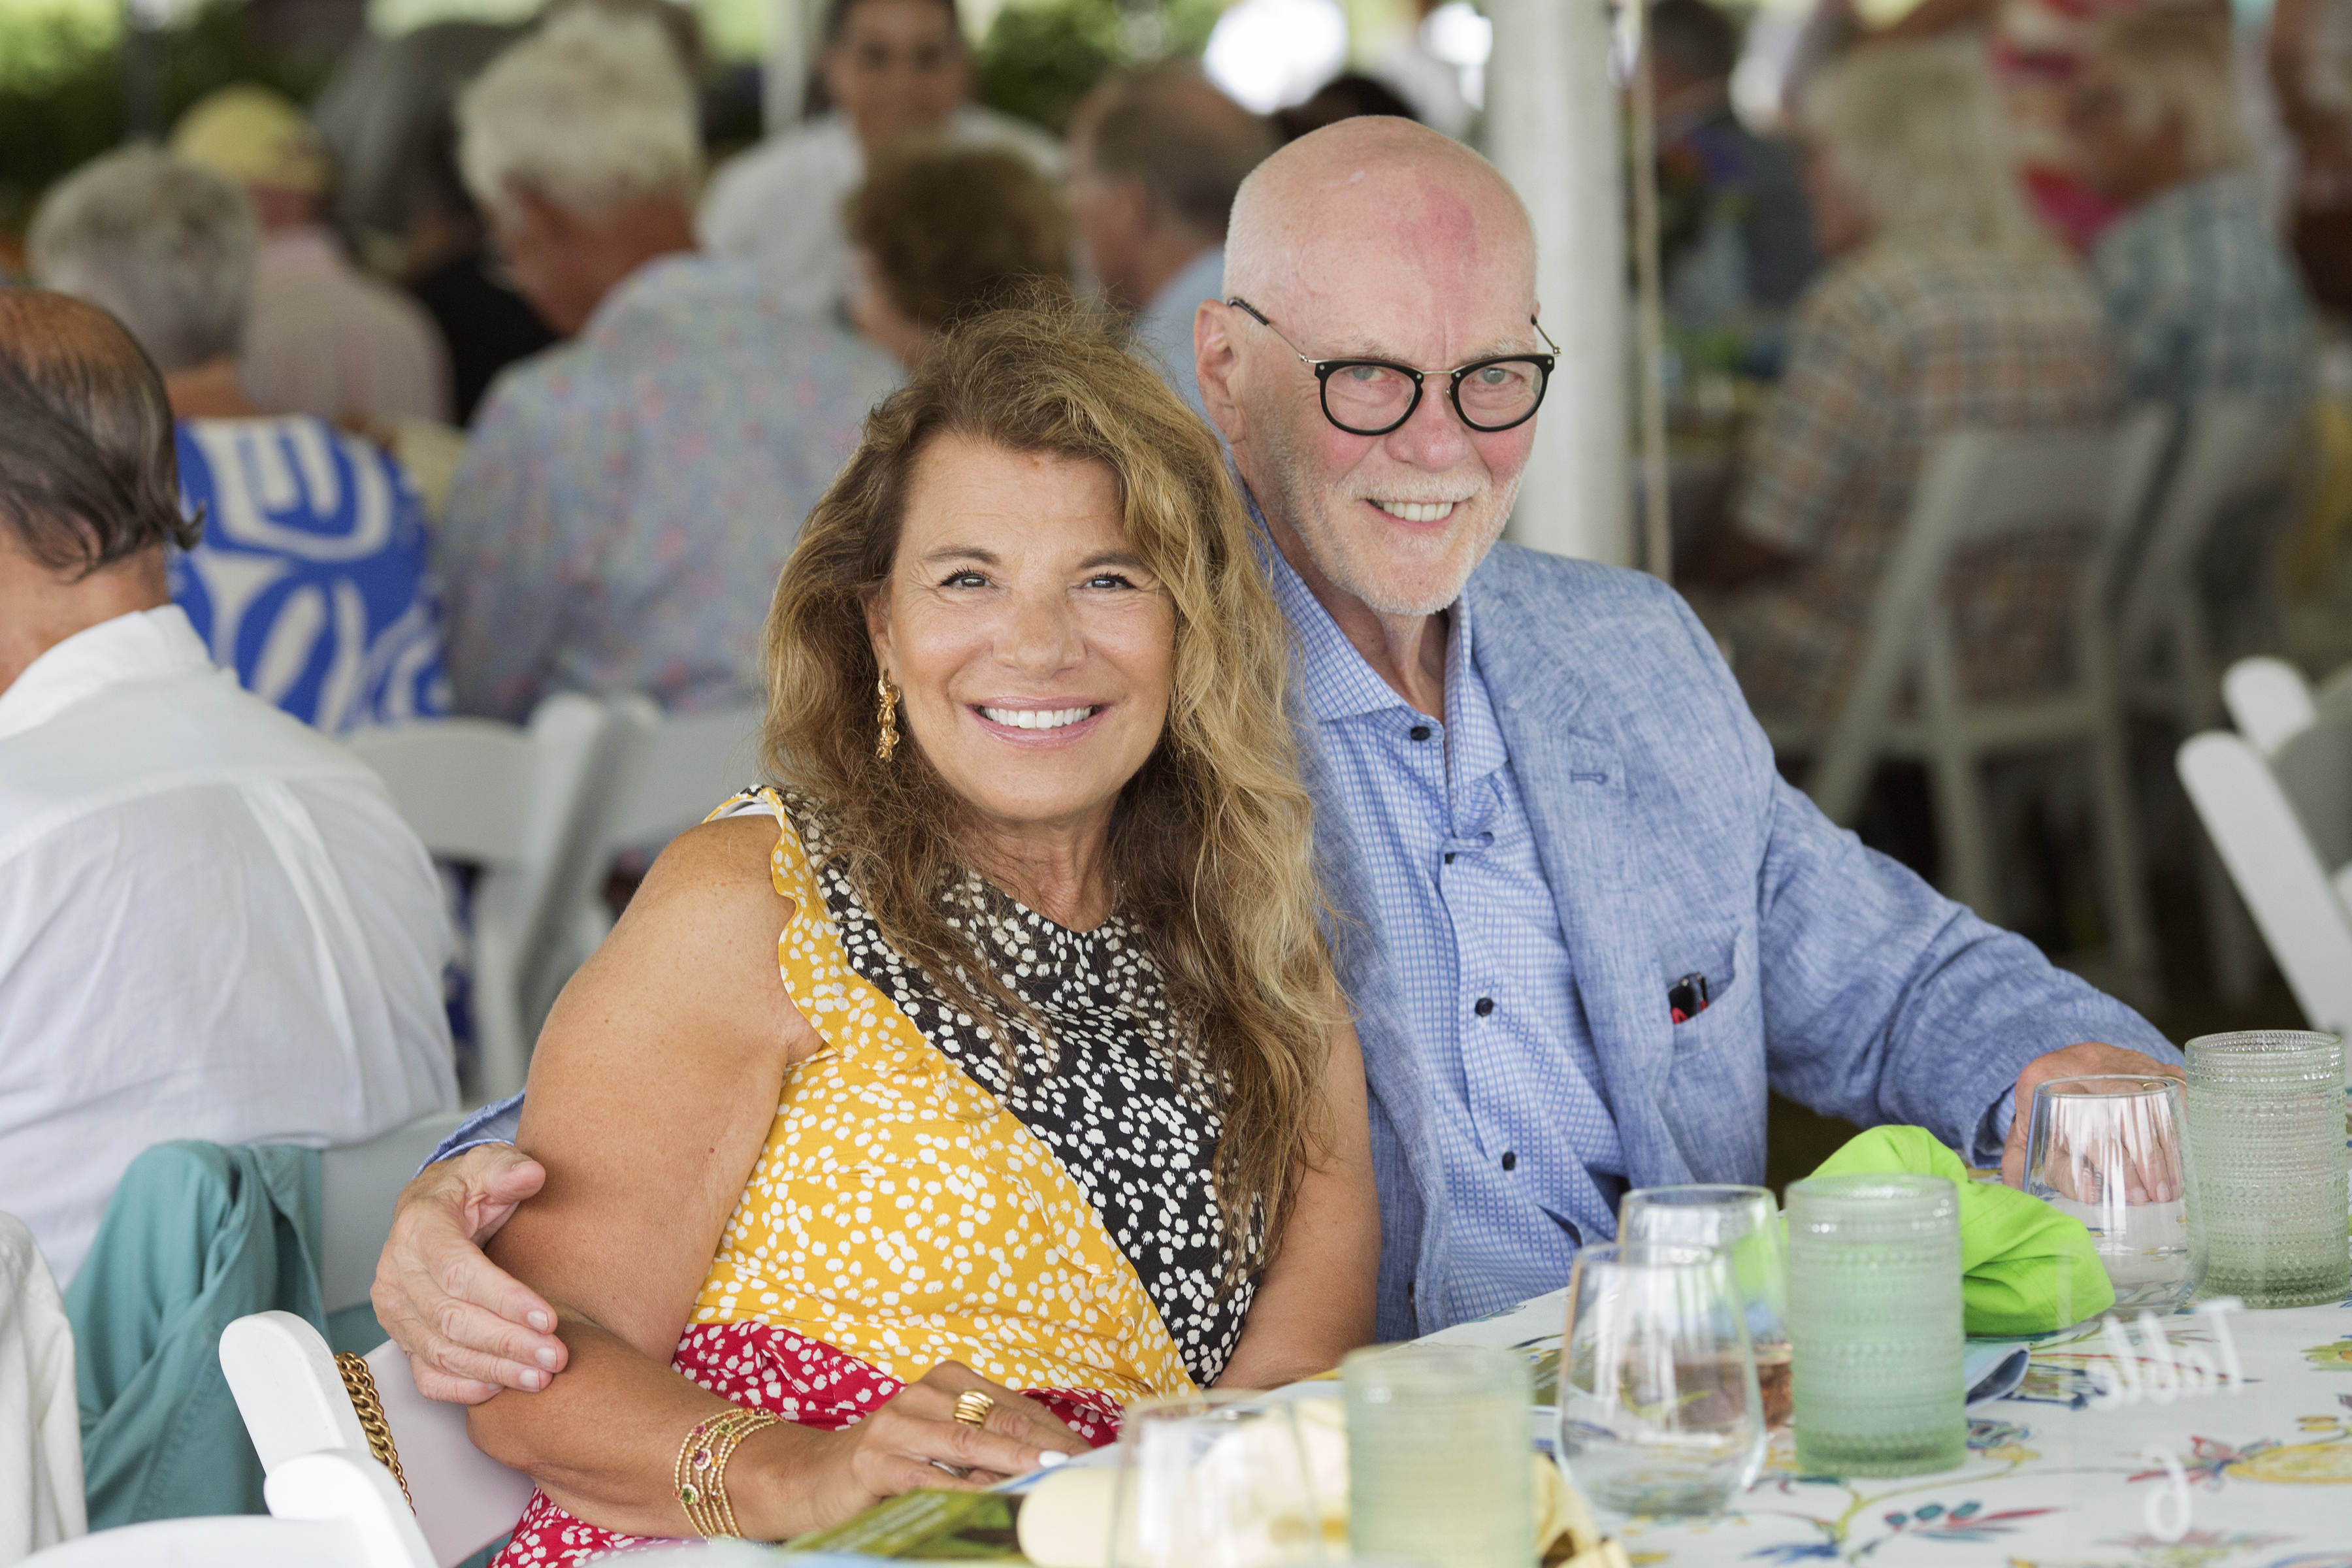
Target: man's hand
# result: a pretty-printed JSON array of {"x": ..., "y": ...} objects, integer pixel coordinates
[
  {"x": 2090, "y": 1060},
  {"x": 470, "y": 1328}
]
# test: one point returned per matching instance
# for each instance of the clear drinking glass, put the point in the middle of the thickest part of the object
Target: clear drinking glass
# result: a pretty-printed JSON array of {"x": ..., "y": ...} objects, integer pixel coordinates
[
  {"x": 1440, "y": 1461},
  {"x": 2266, "y": 1167},
  {"x": 1659, "y": 1413},
  {"x": 1875, "y": 1319},
  {"x": 1745, "y": 1223},
  {"x": 1216, "y": 1479},
  {"x": 2111, "y": 1153}
]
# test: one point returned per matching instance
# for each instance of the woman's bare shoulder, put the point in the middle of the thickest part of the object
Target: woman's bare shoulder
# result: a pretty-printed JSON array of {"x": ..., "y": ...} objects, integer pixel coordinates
[
  {"x": 697, "y": 941},
  {"x": 719, "y": 870}
]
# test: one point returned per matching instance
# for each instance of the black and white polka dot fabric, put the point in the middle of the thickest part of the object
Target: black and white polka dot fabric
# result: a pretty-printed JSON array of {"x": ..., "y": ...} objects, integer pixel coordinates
[{"x": 1118, "y": 1096}]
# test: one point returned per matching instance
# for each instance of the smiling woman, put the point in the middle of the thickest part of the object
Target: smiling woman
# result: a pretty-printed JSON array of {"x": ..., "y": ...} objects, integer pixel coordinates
[{"x": 1050, "y": 1104}]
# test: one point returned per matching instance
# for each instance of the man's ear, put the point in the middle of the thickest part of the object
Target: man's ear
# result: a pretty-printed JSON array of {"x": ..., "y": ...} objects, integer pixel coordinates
[
  {"x": 1216, "y": 365},
  {"x": 542, "y": 216}
]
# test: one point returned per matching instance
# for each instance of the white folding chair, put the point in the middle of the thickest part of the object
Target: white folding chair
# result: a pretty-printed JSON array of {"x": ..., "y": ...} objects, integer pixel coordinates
[
  {"x": 359, "y": 1184},
  {"x": 2268, "y": 701},
  {"x": 327, "y": 1510},
  {"x": 2334, "y": 698},
  {"x": 2281, "y": 825},
  {"x": 2236, "y": 463},
  {"x": 297, "y": 1399},
  {"x": 1978, "y": 487},
  {"x": 661, "y": 776},
  {"x": 510, "y": 801}
]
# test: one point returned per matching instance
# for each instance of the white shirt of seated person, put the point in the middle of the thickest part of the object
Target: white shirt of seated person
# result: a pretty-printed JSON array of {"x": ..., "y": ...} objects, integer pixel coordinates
[{"x": 213, "y": 924}]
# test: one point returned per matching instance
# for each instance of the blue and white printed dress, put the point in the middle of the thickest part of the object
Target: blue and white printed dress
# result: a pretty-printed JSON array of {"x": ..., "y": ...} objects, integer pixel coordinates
[{"x": 310, "y": 581}]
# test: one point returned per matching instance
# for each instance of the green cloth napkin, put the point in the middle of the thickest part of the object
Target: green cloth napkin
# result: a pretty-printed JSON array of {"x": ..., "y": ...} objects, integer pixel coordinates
[{"x": 2017, "y": 1255}]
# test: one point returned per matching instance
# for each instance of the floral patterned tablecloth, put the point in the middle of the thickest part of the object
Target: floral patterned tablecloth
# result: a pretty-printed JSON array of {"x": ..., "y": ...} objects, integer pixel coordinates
[{"x": 2265, "y": 1472}]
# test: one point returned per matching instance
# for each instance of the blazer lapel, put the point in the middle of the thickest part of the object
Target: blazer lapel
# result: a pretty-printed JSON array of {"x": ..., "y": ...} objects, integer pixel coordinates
[{"x": 1574, "y": 784}]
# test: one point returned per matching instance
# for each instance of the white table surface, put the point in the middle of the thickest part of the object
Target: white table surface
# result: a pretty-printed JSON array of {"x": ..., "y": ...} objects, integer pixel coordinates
[{"x": 2265, "y": 1469}]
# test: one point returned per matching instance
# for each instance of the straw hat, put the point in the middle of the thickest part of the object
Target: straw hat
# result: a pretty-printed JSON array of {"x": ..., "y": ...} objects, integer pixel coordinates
[{"x": 256, "y": 137}]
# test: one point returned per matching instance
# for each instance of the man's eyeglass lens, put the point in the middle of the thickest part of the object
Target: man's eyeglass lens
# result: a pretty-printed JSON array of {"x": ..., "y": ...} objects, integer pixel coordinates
[{"x": 1371, "y": 399}]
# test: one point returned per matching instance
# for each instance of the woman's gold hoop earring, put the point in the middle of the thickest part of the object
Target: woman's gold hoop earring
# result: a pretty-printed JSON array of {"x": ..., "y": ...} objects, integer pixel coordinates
[{"x": 886, "y": 718}]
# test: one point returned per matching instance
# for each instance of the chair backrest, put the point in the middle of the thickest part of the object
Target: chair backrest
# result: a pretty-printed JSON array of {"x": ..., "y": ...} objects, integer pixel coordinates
[
  {"x": 331, "y": 1509},
  {"x": 2268, "y": 700},
  {"x": 360, "y": 1182},
  {"x": 2283, "y": 827},
  {"x": 511, "y": 801},
  {"x": 2334, "y": 697},
  {"x": 296, "y": 1399},
  {"x": 662, "y": 775},
  {"x": 2232, "y": 455},
  {"x": 1978, "y": 487}
]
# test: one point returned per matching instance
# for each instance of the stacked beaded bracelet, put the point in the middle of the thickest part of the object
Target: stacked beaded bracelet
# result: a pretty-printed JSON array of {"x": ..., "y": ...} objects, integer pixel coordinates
[{"x": 701, "y": 1474}]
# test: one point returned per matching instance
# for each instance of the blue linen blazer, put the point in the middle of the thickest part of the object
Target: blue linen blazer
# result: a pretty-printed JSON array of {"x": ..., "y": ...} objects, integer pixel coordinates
[{"x": 1672, "y": 845}]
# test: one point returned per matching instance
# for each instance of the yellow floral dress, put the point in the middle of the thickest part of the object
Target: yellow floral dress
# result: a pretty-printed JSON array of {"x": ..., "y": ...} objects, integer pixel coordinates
[{"x": 1049, "y": 1223}]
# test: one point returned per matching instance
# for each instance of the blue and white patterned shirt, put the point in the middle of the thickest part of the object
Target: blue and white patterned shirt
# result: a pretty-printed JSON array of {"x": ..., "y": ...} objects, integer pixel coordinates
[
  {"x": 310, "y": 579},
  {"x": 1531, "y": 1155}
]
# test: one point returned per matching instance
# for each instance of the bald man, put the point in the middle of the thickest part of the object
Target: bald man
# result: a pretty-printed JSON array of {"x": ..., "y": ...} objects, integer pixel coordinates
[
  {"x": 1155, "y": 162},
  {"x": 1585, "y": 924},
  {"x": 213, "y": 923}
]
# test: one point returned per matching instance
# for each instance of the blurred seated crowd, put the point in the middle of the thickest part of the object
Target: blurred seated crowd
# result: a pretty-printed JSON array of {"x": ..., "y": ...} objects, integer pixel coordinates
[{"x": 257, "y": 496}]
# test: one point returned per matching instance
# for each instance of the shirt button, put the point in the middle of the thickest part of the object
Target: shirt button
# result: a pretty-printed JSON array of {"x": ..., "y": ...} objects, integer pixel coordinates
[
  {"x": 1510, "y": 1161},
  {"x": 1419, "y": 731},
  {"x": 1449, "y": 856},
  {"x": 1486, "y": 1005}
]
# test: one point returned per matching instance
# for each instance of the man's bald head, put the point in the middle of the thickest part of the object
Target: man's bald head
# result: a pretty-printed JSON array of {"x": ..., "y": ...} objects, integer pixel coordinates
[
  {"x": 1375, "y": 192},
  {"x": 89, "y": 470},
  {"x": 1374, "y": 238}
]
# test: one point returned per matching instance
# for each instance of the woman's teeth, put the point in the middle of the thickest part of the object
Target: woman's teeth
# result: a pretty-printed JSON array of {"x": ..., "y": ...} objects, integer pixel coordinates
[
  {"x": 1416, "y": 511},
  {"x": 1038, "y": 718}
]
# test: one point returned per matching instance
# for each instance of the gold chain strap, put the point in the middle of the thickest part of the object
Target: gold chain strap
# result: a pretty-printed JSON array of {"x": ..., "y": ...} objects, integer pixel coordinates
[{"x": 359, "y": 1383}]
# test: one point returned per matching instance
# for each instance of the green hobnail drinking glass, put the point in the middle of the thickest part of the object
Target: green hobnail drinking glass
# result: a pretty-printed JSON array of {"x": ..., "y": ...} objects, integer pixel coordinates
[
  {"x": 2266, "y": 1167},
  {"x": 1876, "y": 1325}
]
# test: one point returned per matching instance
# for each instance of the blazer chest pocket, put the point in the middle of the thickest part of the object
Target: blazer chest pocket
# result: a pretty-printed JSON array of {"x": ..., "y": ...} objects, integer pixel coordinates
[{"x": 1703, "y": 972}]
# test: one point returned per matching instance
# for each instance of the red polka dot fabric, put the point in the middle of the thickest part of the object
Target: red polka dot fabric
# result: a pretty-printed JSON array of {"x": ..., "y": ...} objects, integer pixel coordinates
[{"x": 804, "y": 1381}]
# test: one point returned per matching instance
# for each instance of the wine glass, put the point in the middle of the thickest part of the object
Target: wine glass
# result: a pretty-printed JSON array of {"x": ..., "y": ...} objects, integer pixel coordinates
[
  {"x": 1659, "y": 1410},
  {"x": 2109, "y": 1151},
  {"x": 1744, "y": 1224},
  {"x": 1223, "y": 1480}
]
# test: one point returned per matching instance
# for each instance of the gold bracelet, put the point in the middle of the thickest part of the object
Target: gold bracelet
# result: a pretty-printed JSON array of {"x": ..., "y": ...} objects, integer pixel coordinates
[{"x": 699, "y": 1475}]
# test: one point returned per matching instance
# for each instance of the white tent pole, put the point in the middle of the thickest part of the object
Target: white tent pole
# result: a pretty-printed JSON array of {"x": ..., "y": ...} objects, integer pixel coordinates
[
  {"x": 791, "y": 54},
  {"x": 1552, "y": 127}
]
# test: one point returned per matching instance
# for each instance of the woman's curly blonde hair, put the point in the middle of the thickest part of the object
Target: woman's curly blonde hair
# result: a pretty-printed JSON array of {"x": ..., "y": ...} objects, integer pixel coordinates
[{"x": 1211, "y": 848}]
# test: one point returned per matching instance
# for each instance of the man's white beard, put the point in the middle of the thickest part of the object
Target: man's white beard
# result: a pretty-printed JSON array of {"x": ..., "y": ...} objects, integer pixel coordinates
[{"x": 1310, "y": 516}]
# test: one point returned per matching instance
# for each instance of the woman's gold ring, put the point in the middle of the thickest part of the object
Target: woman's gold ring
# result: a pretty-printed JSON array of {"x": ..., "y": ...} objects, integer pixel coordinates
[{"x": 972, "y": 1406}]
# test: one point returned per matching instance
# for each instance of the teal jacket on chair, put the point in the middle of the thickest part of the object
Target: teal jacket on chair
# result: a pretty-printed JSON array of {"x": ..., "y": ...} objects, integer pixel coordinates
[{"x": 197, "y": 1236}]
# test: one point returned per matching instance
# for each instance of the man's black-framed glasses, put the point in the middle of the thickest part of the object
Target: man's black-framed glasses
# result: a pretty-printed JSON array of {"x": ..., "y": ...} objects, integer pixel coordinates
[{"x": 1373, "y": 397}]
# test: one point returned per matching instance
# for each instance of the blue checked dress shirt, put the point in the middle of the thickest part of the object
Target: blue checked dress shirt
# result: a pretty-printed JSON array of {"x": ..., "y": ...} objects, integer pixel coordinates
[{"x": 1531, "y": 1151}]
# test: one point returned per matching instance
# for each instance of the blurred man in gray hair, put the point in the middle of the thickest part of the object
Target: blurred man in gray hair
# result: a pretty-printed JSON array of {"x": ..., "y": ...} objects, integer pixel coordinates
[
  {"x": 213, "y": 923},
  {"x": 621, "y": 513},
  {"x": 1155, "y": 160},
  {"x": 2203, "y": 298},
  {"x": 1944, "y": 308}
]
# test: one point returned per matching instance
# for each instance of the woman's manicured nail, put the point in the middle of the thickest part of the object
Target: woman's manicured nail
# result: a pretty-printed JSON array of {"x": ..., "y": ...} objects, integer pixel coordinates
[{"x": 1047, "y": 1460}]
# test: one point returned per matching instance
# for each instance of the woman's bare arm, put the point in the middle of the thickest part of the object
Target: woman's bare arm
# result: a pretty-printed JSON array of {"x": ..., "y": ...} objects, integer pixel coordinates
[
  {"x": 1314, "y": 1303},
  {"x": 652, "y": 1092}
]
